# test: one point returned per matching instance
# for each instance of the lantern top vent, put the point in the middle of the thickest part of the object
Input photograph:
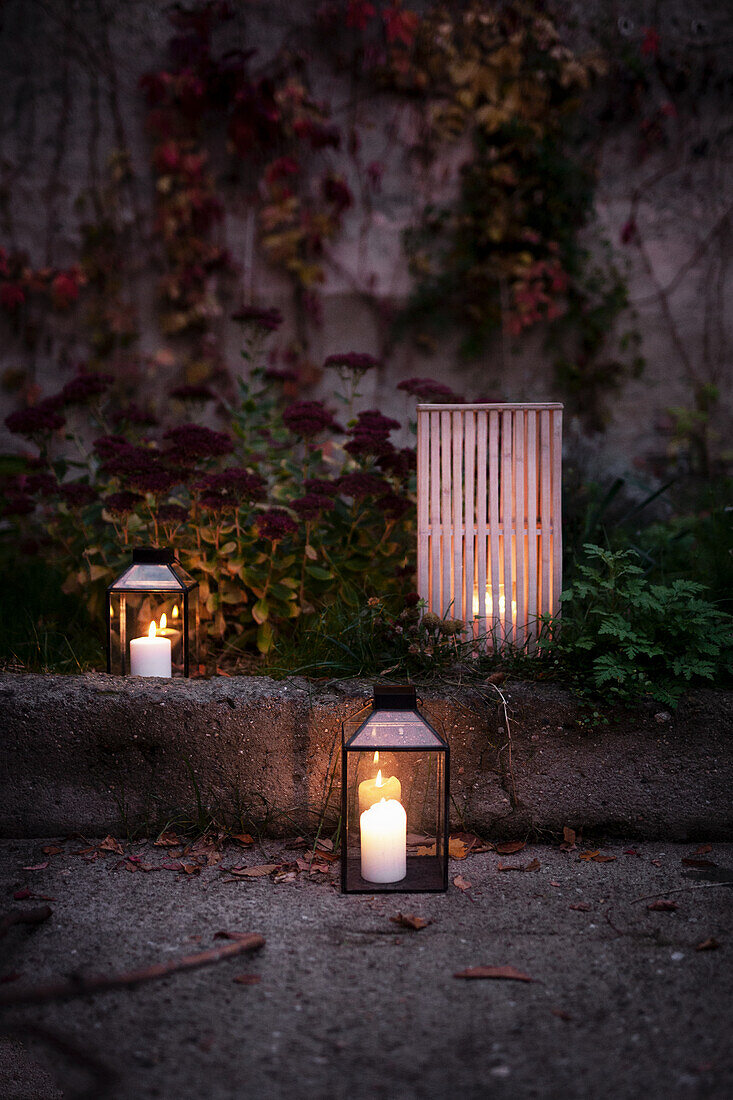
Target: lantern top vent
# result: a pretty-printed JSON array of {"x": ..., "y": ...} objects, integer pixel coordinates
[
  {"x": 153, "y": 570},
  {"x": 392, "y": 722}
]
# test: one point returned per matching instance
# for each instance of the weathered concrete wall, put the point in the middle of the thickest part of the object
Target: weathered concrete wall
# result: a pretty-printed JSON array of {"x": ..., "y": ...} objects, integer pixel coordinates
[
  {"x": 70, "y": 73},
  {"x": 95, "y": 753}
]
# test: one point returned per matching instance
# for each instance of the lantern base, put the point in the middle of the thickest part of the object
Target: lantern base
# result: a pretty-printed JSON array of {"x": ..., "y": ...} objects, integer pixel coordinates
[{"x": 425, "y": 875}]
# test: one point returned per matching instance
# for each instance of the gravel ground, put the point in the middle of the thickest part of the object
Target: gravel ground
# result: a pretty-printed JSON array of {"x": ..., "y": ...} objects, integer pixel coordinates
[{"x": 345, "y": 1003}]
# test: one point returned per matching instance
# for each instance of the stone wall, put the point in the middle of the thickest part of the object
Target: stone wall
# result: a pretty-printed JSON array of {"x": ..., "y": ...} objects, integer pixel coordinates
[{"x": 69, "y": 75}]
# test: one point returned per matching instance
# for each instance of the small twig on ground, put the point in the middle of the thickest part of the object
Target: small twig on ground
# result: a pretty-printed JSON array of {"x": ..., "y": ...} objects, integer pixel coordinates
[
  {"x": 509, "y": 769},
  {"x": 682, "y": 890},
  {"x": 100, "y": 983},
  {"x": 24, "y": 916}
]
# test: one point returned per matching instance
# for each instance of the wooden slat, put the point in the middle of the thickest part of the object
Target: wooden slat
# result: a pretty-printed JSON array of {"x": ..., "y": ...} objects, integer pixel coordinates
[
  {"x": 469, "y": 475},
  {"x": 482, "y": 428},
  {"x": 520, "y": 550},
  {"x": 556, "y": 416},
  {"x": 423, "y": 502},
  {"x": 435, "y": 540},
  {"x": 531, "y": 463},
  {"x": 506, "y": 520},
  {"x": 457, "y": 434},
  {"x": 494, "y": 522},
  {"x": 445, "y": 511},
  {"x": 545, "y": 498}
]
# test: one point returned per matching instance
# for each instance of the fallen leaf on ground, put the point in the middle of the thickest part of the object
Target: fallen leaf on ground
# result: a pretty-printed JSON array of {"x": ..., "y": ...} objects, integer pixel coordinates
[
  {"x": 555, "y": 884},
  {"x": 581, "y": 906},
  {"x": 663, "y": 905},
  {"x": 166, "y": 840},
  {"x": 691, "y": 862},
  {"x": 630, "y": 852},
  {"x": 191, "y": 868},
  {"x": 410, "y": 920},
  {"x": 474, "y": 843},
  {"x": 509, "y": 973},
  {"x": 52, "y": 850},
  {"x": 561, "y": 1013},
  {"x": 324, "y": 844},
  {"x": 252, "y": 872},
  {"x": 533, "y": 865},
  {"x": 589, "y": 855},
  {"x": 425, "y": 850},
  {"x": 109, "y": 844},
  {"x": 509, "y": 847},
  {"x": 23, "y": 895},
  {"x": 496, "y": 678},
  {"x": 461, "y": 882},
  {"x": 243, "y": 838},
  {"x": 708, "y": 945},
  {"x": 568, "y": 835},
  {"x": 656, "y": 862},
  {"x": 417, "y": 838},
  {"x": 247, "y": 979},
  {"x": 604, "y": 859},
  {"x": 596, "y": 857},
  {"x": 285, "y": 876},
  {"x": 703, "y": 850},
  {"x": 36, "y": 867},
  {"x": 456, "y": 848}
]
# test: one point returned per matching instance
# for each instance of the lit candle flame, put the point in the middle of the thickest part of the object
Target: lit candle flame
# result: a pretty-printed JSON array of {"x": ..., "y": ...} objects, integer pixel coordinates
[
  {"x": 152, "y": 630},
  {"x": 163, "y": 622},
  {"x": 174, "y": 613},
  {"x": 376, "y": 757},
  {"x": 379, "y": 782}
]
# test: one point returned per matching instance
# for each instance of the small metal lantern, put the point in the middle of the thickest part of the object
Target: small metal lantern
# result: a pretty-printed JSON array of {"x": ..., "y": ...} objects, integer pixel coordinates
[
  {"x": 394, "y": 798},
  {"x": 152, "y": 617}
]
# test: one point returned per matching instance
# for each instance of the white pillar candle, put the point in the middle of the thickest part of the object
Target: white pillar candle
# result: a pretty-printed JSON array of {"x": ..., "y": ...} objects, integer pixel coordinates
[
  {"x": 384, "y": 842},
  {"x": 150, "y": 656}
]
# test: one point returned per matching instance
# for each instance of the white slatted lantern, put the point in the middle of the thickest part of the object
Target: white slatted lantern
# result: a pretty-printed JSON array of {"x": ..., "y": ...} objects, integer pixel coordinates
[{"x": 489, "y": 516}]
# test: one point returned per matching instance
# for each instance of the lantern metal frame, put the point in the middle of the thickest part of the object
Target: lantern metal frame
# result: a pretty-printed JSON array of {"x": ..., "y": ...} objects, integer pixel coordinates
[
  {"x": 183, "y": 586},
  {"x": 425, "y": 874}
]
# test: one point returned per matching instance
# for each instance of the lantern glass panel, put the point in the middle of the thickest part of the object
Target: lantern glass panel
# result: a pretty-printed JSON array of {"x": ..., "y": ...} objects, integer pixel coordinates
[
  {"x": 393, "y": 753},
  {"x": 155, "y": 585}
]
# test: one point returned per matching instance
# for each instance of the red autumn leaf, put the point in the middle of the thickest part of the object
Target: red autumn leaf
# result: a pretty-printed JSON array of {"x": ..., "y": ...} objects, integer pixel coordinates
[
  {"x": 709, "y": 944},
  {"x": 400, "y": 26},
  {"x": 247, "y": 979},
  {"x": 630, "y": 852},
  {"x": 52, "y": 850},
  {"x": 604, "y": 859},
  {"x": 509, "y": 847},
  {"x": 508, "y": 973},
  {"x": 703, "y": 850},
  {"x": 22, "y": 895},
  {"x": 581, "y": 906},
  {"x": 689, "y": 861},
  {"x": 664, "y": 905},
  {"x": 410, "y": 920},
  {"x": 461, "y": 883}
]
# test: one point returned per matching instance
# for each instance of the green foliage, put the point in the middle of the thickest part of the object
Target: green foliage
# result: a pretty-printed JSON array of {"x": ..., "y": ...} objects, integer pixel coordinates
[{"x": 624, "y": 638}]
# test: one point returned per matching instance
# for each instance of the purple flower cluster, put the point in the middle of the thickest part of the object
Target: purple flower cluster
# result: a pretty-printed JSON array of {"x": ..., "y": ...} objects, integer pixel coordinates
[
  {"x": 172, "y": 514},
  {"x": 123, "y": 503},
  {"x": 308, "y": 418},
  {"x": 77, "y": 494},
  {"x": 275, "y": 525},
  {"x": 321, "y": 487},
  {"x": 394, "y": 506},
  {"x": 132, "y": 414},
  {"x": 358, "y": 485},
  {"x": 281, "y": 374},
  {"x": 398, "y": 463},
  {"x": 269, "y": 320},
  {"x": 229, "y": 488},
  {"x": 312, "y": 505},
  {"x": 193, "y": 393},
  {"x": 358, "y": 363},
  {"x": 427, "y": 389},
  {"x": 370, "y": 434},
  {"x": 85, "y": 386},
  {"x": 189, "y": 442},
  {"x": 38, "y": 419}
]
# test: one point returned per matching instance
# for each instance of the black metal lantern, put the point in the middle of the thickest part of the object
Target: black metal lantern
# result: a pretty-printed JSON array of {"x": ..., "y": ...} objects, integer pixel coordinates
[
  {"x": 394, "y": 798},
  {"x": 152, "y": 617}
]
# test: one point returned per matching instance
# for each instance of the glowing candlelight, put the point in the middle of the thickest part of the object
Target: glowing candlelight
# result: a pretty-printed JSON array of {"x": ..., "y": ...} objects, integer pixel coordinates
[
  {"x": 151, "y": 655},
  {"x": 373, "y": 790},
  {"x": 384, "y": 842}
]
